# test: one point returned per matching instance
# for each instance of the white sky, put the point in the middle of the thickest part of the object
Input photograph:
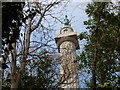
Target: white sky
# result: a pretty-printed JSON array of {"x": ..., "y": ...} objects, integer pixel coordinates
[{"x": 76, "y": 13}]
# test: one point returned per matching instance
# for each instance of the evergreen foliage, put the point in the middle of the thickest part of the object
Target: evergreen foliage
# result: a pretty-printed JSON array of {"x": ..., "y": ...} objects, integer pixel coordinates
[{"x": 103, "y": 40}]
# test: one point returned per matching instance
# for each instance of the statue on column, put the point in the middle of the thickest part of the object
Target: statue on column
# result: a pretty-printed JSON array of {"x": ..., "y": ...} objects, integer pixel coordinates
[{"x": 66, "y": 21}]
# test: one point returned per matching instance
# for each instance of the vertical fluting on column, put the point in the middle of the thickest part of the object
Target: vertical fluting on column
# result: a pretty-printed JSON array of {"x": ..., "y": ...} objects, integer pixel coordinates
[{"x": 68, "y": 68}]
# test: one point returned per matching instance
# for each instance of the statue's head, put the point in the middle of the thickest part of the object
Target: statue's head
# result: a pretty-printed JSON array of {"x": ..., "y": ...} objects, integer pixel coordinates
[{"x": 65, "y": 16}]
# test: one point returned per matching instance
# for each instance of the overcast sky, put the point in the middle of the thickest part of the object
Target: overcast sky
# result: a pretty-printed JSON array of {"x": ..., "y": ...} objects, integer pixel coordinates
[{"x": 76, "y": 13}]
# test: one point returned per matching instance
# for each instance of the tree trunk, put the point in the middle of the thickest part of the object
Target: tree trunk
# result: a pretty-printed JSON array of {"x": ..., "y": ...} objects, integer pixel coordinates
[
  {"x": 14, "y": 85},
  {"x": 16, "y": 76},
  {"x": 94, "y": 68},
  {"x": 96, "y": 33},
  {"x": 14, "y": 79}
]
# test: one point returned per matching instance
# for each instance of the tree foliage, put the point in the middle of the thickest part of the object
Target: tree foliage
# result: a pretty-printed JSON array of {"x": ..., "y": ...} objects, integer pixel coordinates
[
  {"x": 101, "y": 53},
  {"x": 25, "y": 57},
  {"x": 12, "y": 20}
]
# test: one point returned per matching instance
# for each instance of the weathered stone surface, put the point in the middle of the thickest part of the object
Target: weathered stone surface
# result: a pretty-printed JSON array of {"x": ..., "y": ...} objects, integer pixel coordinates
[
  {"x": 70, "y": 36},
  {"x": 68, "y": 68},
  {"x": 67, "y": 44}
]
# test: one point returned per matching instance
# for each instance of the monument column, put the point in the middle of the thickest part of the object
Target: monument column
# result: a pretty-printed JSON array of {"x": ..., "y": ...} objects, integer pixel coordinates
[{"x": 67, "y": 44}]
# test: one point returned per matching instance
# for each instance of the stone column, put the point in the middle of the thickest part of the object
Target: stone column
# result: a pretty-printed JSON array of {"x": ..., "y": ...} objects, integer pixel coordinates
[
  {"x": 68, "y": 69},
  {"x": 67, "y": 44}
]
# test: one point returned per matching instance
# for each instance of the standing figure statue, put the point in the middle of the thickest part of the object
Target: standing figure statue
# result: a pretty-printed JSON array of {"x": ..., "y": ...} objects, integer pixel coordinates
[{"x": 66, "y": 21}]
